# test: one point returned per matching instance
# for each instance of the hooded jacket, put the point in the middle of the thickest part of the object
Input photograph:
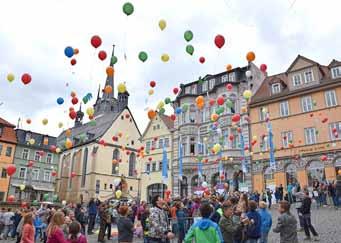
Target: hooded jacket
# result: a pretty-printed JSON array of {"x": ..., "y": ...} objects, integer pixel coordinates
[
  {"x": 204, "y": 231},
  {"x": 266, "y": 220}
]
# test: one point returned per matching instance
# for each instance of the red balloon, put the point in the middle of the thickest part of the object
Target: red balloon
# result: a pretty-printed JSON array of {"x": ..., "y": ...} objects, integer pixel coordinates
[
  {"x": 334, "y": 129},
  {"x": 24, "y": 204},
  {"x": 212, "y": 102},
  {"x": 30, "y": 163},
  {"x": 220, "y": 100},
  {"x": 73, "y": 61},
  {"x": 72, "y": 114},
  {"x": 101, "y": 142},
  {"x": 236, "y": 118},
  {"x": 152, "y": 84},
  {"x": 173, "y": 117},
  {"x": 26, "y": 78},
  {"x": 263, "y": 68},
  {"x": 231, "y": 137},
  {"x": 74, "y": 100},
  {"x": 202, "y": 60},
  {"x": 175, "y": 90},
  {"x": 150, "y": 158},
  {"x": 219, "y": 41},
  {"x": 324, "y": 158},
  {"x": 229, "y": 87},
  {"x": 11, "y": 169},
  {"x": 53, "y": 173},
  {"x": 73, "y": 174},
  {"x": 11, "y": 198},
  {"x": 53, "y": 148},
  {"x": 127, "y": 116},
  {"x": 102, "y": 55},
  {"x": 325, "y": 120},
  {"x": 96, "y": 41}
]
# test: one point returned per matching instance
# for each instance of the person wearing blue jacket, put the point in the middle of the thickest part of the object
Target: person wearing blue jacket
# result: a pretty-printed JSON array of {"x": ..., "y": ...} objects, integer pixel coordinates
[
  {"x": 92, "y": 211},
  {"x": 254, "y": 228},
  {"x": 266, "y": 222}
]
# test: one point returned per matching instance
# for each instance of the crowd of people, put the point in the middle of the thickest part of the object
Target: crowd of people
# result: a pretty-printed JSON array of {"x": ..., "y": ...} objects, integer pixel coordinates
[{"x": 229, "y": 217}]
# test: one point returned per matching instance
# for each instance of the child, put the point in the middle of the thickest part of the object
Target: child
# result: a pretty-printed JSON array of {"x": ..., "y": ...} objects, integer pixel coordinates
[
  {"x": 75, "y": 235},
  {"x": 287, "y": 224}
]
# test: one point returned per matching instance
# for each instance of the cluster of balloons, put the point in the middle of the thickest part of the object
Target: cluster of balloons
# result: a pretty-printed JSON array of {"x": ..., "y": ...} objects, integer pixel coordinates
[{"x": 70, "y": 52}]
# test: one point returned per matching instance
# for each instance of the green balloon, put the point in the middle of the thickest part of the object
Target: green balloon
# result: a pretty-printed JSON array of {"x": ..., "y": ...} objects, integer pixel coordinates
[
  {"x": 229, "y": 103},
  {"x": 185, "y": 108},
  {"x": 35, "y": 202},
  {"x": 188, "y": 35},
  {"x": 46, "y": 197},
  {"x": 55, "y": 198},
  {"x": 143, "y": 56},
  {"x": 128, "y": 8},
  {"x": 200, "y": 80},
  {"x": 219, "y": 110},
  {"x": 113, "y": 60},
  {"x": 190, "y": 49},
  {"x": 168, "y": 101},
  {"x": 162, "y": 111}
]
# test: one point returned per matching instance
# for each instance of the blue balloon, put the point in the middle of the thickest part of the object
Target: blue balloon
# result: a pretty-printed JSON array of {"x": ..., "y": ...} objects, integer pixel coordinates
[
  {"x": 68, "y": 51},
  {"x": 178, "y": 110},
  {"x": 60, "y": 101}
]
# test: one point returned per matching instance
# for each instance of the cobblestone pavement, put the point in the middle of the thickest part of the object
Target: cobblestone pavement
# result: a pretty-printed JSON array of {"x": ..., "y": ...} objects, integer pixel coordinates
[{"x": 327, "y": 222}]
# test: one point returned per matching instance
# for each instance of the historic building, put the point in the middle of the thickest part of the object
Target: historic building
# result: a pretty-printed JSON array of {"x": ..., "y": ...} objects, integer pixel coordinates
[
  {"x": 8, "y": 143},
  {"x": 37, "y": 164},
  {"x": 157, "y": 137},
  {"x": 302, "y": 105},
  {"x": 196, "y": 133},
  {"x": 104, "y": 151}
]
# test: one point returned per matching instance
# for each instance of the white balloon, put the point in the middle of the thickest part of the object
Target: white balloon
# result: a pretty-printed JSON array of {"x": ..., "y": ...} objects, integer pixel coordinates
[
  {"x": 64, "y": 202},
  {"x": 117, "y": 181},
  {"x": 204, "y": 184},
  {"x": 248, "y": 73}
]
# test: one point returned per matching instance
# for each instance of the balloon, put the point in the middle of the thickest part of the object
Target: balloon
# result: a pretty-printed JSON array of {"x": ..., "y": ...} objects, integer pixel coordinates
[
  {"x": 263, "y": 68},
  {"x": 72, "y": 114},
  {"x": 68, "y": 51},
  {"x": 248, "y": 74},
  {"x": 58, "y": 150},
  {"x": 214, "y": 117},
  {"x": 162, "y": 111},
  {"x": 108, "y": 89},
  {"x": 143, "y": 56},
  {"x": 151, "y": 114},
  {"x": 165, "y": 57},
  {"x": 151, "y": 92},
  {"x": 10, "y": 77},
  {"x": 235, "y": 118},
  {"x": 75, "y": 51},
  {"x": 26, "y": 78},
  {"x": 96, "y": 41},
  {"x": 11, "y": 198},
  {"x": 90, "y": 111},
  {"x": 30, "y": 163},
  {"x": 68, "y": 143},
  {"x": 220, "y": 100},
  {"x": 74, "y": 100},
  {"x": 128, "y": 8},
  {"x": 229, "y": 87},
  {"x": 168, "y": 101},
  {"x": 110, "y": 71},
  {"x": 178, "y": 110},
  {"x": 247, "y": 94},
  {"x": 73, "y": 61},
  {"x": 219, "y": 41},
  {"x": 188, "y": 35},
  {"x": 55, "y": 198},
  {"x": 117, "y": 181},
  {"x": 118, "y": 194},
  {"x": 31, "y": 141},
  {"x": 60, "y": 124},
  {"x": 212, "y": 102},
  {"x": 190, "y": 49},
  {"x": 175, "y": 90},
  {"x": 184, "y": 107},
  {"x": 113, "y": 60},
  {"x": 219, "y": 110},
  {"x": 200, "y": 99},
  {"x": 216, "y": 148},
  {"x": 202, "y": 60},
  {"x": 45, "y": 121},
  {"x": 11, "y": 169},
  {"x": 73, "y": 174},
  {"x": 28, "y": 121},
  {"x": 204, "y": 184},
  {"x": 68, "y": 133},
  {"x": 22, "y": 187},
  {"x": 250, "y": 56},
  {"x": 160, "y": 105},
  {"x": 324, "y": 158},
  {"x": 60, "y": 101},
  {"x": 228, "y": 67},
  {"x": 121, "y": 88},
  {"x": 73, "y": 94},
  {"x": 152, "y": 84},
  {"x": 102, "y": 55},
  {"x": 162, "y": 24},
  {"x": 173, "y": 117}
]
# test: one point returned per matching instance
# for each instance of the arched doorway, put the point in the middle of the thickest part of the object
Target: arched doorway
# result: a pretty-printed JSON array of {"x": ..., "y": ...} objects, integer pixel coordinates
[
  {"x": 269, "y": 179},
  {"x": 156, "y": 189},
  {"x": 291, "y": 174},
  {"x": 315, "y": 170},
  {"x": 184, "y": 187}
]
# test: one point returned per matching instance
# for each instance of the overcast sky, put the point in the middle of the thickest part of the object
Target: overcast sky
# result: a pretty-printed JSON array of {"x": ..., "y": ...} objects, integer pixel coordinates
[{"x": 33, "y": 35}]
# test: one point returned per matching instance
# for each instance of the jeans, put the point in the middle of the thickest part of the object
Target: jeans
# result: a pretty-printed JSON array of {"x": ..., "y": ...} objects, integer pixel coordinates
[
  {"x": 92, "y": 219},
  {"x": 308, "y": 226},
  {"x": 264, "y": 237},
  {"x": 252, "y": 241},
  {"x": 6, "y": 231}
]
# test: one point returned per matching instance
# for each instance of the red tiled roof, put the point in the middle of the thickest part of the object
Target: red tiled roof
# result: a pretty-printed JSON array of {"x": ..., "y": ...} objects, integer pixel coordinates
[
  {"x": 8, "y": 134},
  {"x": 6, "y": 123},
  {"x": 168, "y": 121}
]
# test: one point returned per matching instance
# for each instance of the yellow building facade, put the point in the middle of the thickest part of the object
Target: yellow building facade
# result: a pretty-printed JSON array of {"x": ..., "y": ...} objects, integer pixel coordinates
[
  {"x": 157, "y": 137},
  {"x": 302, "y": 105}
]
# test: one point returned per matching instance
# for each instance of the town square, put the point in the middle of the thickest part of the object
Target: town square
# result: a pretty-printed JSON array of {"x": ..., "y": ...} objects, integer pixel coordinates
[{"x": 170, "y": 121}]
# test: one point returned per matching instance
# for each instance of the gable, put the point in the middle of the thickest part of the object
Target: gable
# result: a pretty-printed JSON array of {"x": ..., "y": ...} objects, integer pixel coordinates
[{"x": 300, "y": 63}]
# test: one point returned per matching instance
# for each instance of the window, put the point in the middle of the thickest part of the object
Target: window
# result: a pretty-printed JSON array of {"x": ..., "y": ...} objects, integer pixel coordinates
[
  {"x": 310, "y": 135},
  {"x": 308, "y": 76},
  {"x": 330, "y": 96},
  {"x": 154, "y": 166},
  {"x": 46, "y": 141},
  {"x": 105, "y": 186},
  {"x": 47, "y": 175},
  {"x": 284, "y": 108},
  {"x": 35, "y": 174},
  {"x": 235, "y": 141},
  {"x": 296, "y": 80},
  {"x": 27, "y": 136},
  {"x": 336, "y": 72},
  {"x": 49, "y": 158},
  {"x": 212, "y": 83},
  {"x": 335, "y": 131},
  {"x": 161, "y": 143},
  {"x": 37, "y": 156},
  {"x": 4, "y": 173},
  {"x": 153, "y": 144},
  {"x": 160, "y": 166},
  {"x": 192, "y": 146},
  {"x": 148, "y": 146},
  {"x": 262, "y": 113},
  {"x": 276, "y": 88},
  {"x": 115, "y": 161},
  {"x": 25, "y": 154},
  {"x": 22, "y": 173},
  {"x": 204, "y": 86},
  {"x": 307, "y": 103},
  {"x": 8, "y": 151},
  {"x": 232, "y": 77},
  {"x": 194, "y": 89},
  {"x": 84, "y": 166},
  {"x": 224, "y": 78},
  {"x": 264, "y": 144},
  {"x": 166, "y": 142},
  {"x": 0, "y": 148},
  {"x": 148, "y": 168},
  {"x": 286, "y": 138},
  {"x": 132, "y": 164},
  {"x": 188, "y": 90}
]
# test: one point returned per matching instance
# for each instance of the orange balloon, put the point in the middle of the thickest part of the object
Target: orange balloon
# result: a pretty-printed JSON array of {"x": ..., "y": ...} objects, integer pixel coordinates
[
  {"x": 73, "y": 94},
  {"x": 28, "y": 121},
  {"x": 200, "y": 99},
  {"x": 75, "y": 51},
  {"x": 108, "y": 89},
  {"x": 250, "y": 56},
  {"x": 110, "y": 71},
  {"x": 68, "y": 133},
  {"x": 228, "y": 67},
  {"x": 339, "y": 172},
  {"x": 151, "y": 114},
  {"x": 114, "y": 161}
]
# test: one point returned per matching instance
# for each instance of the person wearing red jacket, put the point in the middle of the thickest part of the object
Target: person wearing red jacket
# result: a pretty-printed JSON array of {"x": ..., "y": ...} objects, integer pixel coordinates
[
  {"x": 27, "y": 234},
  {"x": 54, "y": 231}
]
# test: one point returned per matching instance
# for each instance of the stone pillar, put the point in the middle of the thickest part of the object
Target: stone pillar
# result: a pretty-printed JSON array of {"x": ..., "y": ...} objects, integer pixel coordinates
[
  {"x": 280, "y": 178},
  {"x": 302, "y": 177},
  {"x": 330, "y": 173},
  {"x": 258, "y": 182}
]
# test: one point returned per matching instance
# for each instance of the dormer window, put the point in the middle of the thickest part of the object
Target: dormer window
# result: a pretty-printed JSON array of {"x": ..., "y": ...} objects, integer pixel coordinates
[
  {"x": 194, "y": 89},
  {"x": 296, "y": 80},
  {"x": 276, "y": 88},
  {"x": 224, "y": 78},
  {"x": 336, "y": 72},
  {"x": 308, "y": 76},
  {"x": 232, "y": 77},
  {"x": 204, "y": 86},
  {"x": 27, "y": 136},
  {"x": 212, "y": 83},
  {"x": 188, "y": 90}
]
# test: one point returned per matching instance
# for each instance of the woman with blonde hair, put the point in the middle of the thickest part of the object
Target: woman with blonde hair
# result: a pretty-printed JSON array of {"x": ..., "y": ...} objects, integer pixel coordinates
[
  {"x": 27, "y": 234},
  {"x": 54, "y": 230}
]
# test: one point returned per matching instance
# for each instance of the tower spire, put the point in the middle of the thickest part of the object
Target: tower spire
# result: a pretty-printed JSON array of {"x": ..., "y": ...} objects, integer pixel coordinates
[{"x": 110, "y": 80}]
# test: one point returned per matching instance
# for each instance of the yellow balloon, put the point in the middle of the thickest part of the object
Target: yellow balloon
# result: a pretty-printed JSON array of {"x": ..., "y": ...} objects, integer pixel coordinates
[
  {"x": 254, "y": 138},
  {"x": 31, "y": 141},
  {"x": 60, "y": 124},
  {"x": 214, "y": 117},
  {"x": 58, "y": 150},
  {"x": 160, "y": 105},
  {"x": 243, "y": 109},
  {"x": 151, "y": 92},
  {"x": 118, "y": 193},
  {"x": 45, "y": 121},
  {"x": 162, "y": 24},
  {"x": 121, "y": 88},
  {"x": 10, "y": 77},
  {"x": 90, "y": 111},
  {"x": 68, "y": 133},
  {"x": 217, "y": 148},
  {"x": 22, "y": 187},
  {"x": 165, "y": 57},
  {"x": 68, "y": 143},
  {"x": 247, "y": 94}
]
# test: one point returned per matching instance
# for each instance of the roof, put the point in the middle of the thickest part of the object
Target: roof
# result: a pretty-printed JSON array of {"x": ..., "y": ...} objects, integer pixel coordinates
[
  {"x": 6, "y": 123},
  {"x": 334, "y": 63},
  {"x": 8, "y": 133},
  {"x": 38, "y": 137},
  {"x": 301, "y": 57},
  {"x": 168, "y": 121}
]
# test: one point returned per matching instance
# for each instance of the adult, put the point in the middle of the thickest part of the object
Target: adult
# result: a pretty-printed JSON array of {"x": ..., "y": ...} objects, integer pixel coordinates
[
  {"x": 306, "y": 216},
  {"x": 338, "y": 190},
  {"x": 92, "y": 211},
  {"x": 180, "y": 217},
  {"x": 75, "y": 235},
  {"x": 54, "y": 231},
  {"x": 27, "y": 235},
  {"x": 254, "y": 228},
  {"x": 8, "y": 223},
  {"x": 125, "y": 226},
  {"x": 228, "y": 226},
  {"x": 80, "y": 217},
  {"x": 145, "y": 223},
  {"x": 266, "y": 222},
  {"x": 281, "y": 192},
  {"x": 103, "y": 215},
  {"x": 269, "y": 197},
  {"x": 287, "y": 224}
]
